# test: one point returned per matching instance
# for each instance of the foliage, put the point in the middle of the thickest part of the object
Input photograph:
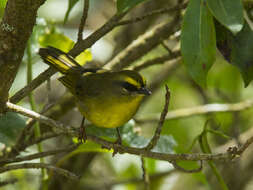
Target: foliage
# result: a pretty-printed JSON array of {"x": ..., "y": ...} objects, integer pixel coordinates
[
  {"x": 198, "y": 41},
  {"x": 11, "y": 125},
  {"x": 198, "y": 37}
]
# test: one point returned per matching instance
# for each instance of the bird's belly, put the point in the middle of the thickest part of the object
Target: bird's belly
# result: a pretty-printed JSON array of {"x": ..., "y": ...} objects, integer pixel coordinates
[{"x": 109, "y": 114}]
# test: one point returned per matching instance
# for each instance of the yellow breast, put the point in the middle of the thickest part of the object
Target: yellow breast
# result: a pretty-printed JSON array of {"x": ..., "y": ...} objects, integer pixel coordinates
[{"x": 110, "y": 112}]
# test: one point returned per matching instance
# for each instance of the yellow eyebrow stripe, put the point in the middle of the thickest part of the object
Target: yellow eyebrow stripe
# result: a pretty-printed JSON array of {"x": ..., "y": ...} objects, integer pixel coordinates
[{"x": 132, "y": 81}]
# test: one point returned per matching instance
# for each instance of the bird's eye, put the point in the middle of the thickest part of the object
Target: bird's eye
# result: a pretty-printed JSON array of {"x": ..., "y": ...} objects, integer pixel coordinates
[{"x": 129, "y": 87}]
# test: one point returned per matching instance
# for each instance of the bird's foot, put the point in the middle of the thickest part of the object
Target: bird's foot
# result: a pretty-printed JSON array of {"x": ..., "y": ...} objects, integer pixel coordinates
[
  {"x": 82, "y": 133},
  {"x": 117, "y": 143}
]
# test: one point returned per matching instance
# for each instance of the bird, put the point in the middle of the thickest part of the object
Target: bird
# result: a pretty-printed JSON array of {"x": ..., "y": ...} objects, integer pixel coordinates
[{"x": 106, "y": 98}]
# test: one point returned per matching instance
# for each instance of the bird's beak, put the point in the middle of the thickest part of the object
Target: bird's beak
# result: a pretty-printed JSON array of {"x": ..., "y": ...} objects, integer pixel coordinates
[{"x": 144, "y": 91}]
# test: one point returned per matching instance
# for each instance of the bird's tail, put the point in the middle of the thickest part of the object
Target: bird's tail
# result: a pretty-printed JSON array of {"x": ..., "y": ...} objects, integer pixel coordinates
[{"x": 61, "y": 61}]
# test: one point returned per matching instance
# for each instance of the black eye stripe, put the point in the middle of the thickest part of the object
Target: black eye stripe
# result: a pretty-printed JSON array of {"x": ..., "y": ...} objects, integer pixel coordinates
[{"x": 129, "y": 87}]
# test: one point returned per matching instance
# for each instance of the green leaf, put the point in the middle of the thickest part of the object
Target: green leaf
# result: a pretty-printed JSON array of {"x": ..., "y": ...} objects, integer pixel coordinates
[
  {"x": 242, "y": 56},
  {"x": 56, "y": 40},
  {"x": 227, "y": 12},
  {"x": 10, "y": 126},
  {"x": 238, "y": 49},
  {"x": 62, "y": 42},
  {"x": 88, "y": 146},
  {"x": 2, "y": 4},
  {"x": 198, "y": 43},
  {"x": 2, "y": 7},
  {"x": 188, "y": 165},
  {"x": 71, "y": 4},
  {"x": 84, "y": 57},
  {"x": 125, "y": 5},
  {"x": 166, "y": 143}
]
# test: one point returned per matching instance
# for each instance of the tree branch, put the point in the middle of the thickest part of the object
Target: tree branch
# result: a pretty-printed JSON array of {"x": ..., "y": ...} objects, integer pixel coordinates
[
  {"x": 158, "y": 131},
  {"x": 83, "y": 20},
  {"x": 145, "y": 175},
  {"x": 143, "y": 44},
  {"x": 200, "y": 110},
  {"x": 156, "y": 61},
  {"x": 111, "y": 145},
  {"x": 7, "y": 182},
  {"x": 34, "y": 84},
  {"x": 38, "y": 155},
  {"x": 95, "y": 36},
  {"x": 165, "y": 10},
  {"x": 57, "y": 170}
]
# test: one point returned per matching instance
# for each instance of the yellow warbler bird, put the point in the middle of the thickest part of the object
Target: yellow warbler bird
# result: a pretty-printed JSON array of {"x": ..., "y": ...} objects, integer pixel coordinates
[{"x": 106, "y": 98}]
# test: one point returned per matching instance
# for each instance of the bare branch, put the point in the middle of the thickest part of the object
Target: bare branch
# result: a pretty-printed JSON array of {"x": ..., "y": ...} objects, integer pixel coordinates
[
  {"x": 34, "y": 84},
  {"x": 237, "y": 151},
  {"x": 111, "y": 145},
  {"x": 143, "y": 44},
  {"x": 156, "y": 61},
  {"x": 57, "y": 170},
  {"x": 200, "y": 110},
  {"x": 7, "y": 182},
  {"x": 95, "y": 36},
  {"x": 39, "y": 117},
  {"x": 83, "y": 19},
  {"x": 145, "y": 175},
  {"x": 158, "y": 131},
  {"x": 165, "y": 10},
  {"x": 39, "y": 155}
]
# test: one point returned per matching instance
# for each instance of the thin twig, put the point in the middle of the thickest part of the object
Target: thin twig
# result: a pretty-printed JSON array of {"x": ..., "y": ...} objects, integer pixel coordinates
[
  {"x": 163, "y": 74},
  {"x": 7, "y": 182},
  {"x": 18, "y": 147},
  {"x": 156, "y": 136},
  {"x": 31, "y": 86},
  {"x": 165, "y": 10},
  {"x": 57, "y": 170},
  {"x": 39, "y": 117},
  {"x": 245, "y": 145},
  {"x": 29, "y": 123},
  {"x": 166, "y": 47},
  {"x": 44, "y": 137},
  {"x": 145, "y": 175},
  {"x": 143, "y": 44},
  {"x": 121, "y": 148},
  {"x": 156, "y": 61},
  {"x": 238, "y": 151},
  {"x": 38, "y": 155},
  {"x": 95, "y": 36},
  {"x": 83, "y": 19},
  {"x": 200, "y": 110}
]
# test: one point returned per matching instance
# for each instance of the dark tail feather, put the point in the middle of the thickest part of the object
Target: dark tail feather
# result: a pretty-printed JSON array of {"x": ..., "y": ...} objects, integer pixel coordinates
[
  {"x": 69, "y": 82},
  {"x": 63, "y": 62}
]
